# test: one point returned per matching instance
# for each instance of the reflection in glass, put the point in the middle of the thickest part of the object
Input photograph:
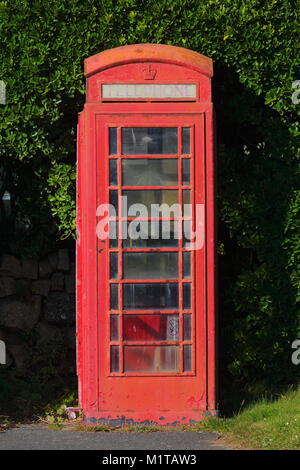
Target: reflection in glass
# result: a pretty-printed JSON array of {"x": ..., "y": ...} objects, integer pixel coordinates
[
  {"x": 151, "y": 358},
  {"x": 186, "y": 140},
  {"x": 186, "y": 171},
  {"x": 114, "y": 327},
  {"x": 186, "y": 264},
  {"x": 186, "y": 296},
  {"x": 187, "y": 233},
  {"x": 149, "y": 140},
  {"x": 150, "y": 234},
  {"x": 114, "y": 297},
  {"x": 150, "y": 172},
  {"x": 186, "y": 200},
  {"x": 187, "y": 327},
  {"x": 113, "y": 234},
  {"x": 149, "y": 197},
  {"x": 187, "y": 358},
  {"x": 163, "y": 296},
  {"x": 150, "y": 328},
  {"x": 150, "y": 265},
  {"x": 113, "y": 265},
  {"x": 113, "y": 201},
  {"x": 112, "y": 141},
  {"x": 113, "y": 172},
  {"x": 114, "y": 358}
]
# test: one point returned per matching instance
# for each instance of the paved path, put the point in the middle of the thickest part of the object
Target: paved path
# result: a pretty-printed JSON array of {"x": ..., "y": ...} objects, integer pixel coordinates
[{"x": 35, "y": 437}]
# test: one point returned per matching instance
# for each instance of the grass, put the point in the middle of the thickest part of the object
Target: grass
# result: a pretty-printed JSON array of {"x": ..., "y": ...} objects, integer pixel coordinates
[
  {"x": 79, "y": 425},
  {"x": 266, "y": 425},
  {"x": 106, "y": 428}
]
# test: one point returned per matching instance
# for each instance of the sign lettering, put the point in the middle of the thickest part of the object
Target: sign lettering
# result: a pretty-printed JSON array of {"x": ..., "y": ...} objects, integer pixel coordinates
[{"x": 149, "y": 90}]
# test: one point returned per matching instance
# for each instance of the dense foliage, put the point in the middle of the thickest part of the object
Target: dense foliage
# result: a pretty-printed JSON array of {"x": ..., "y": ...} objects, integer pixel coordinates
[{"x": 254, "y": 47}]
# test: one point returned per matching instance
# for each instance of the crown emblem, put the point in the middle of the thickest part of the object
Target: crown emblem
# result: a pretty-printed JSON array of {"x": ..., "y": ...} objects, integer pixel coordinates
[{"x": 148, "y": 72}]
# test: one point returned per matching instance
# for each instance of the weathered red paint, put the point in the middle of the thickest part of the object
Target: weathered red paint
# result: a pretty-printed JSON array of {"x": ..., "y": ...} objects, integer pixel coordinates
[{"x": 168, "y": 398}]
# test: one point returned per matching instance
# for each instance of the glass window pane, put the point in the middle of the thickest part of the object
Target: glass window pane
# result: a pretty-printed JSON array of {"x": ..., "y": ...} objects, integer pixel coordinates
[
  {"x": 149, "y": 140},
  {"x": 114, "y": 327},
  {"x": 113, "y": 201},
  {"x": 151, "y": 358},
  {"x": 114, "y": 358},
  {"x": 113, "y": 265},
  {"x": 112, "y": 141},
  {"x": 114, "y": 297},
  {"x": 187, "y": 233},
  {"x": 163, "y": 296},
  {"x": 186, "y": 200},
  {"x": 186, "y": 296},
  {"x": 187, "y": 358},
  {"x": 150, "y": 172},
  {"x": 150, "y": 328},
  {"x": 113, "y": 234},
  {"x": 150, "y": 265},
  {"x": 187, "y": 327},
  {"x": 186, "y": 264},
  {"x": 186, "y": 171},
  {"x": 168, "y": 197},
  {"x": 186, "y": 140},
  {"x": 153, "y": 234},
  {"x": 113, "y": 172}
]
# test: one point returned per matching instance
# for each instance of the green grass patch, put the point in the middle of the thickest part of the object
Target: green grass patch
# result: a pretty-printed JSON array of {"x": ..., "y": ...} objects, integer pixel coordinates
[
  {"x": 127, "y": 428},
  {"x": 268, "y": 424},
  {"x": 83, "y": 428}
]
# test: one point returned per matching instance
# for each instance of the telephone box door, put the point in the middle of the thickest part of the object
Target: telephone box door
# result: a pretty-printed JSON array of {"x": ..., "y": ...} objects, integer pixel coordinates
[{"x": 151, "y": 269}]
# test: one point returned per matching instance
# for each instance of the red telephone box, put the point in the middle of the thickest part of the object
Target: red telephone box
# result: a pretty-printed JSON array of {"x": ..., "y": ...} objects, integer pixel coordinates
[{"x": 146, "y": 237}]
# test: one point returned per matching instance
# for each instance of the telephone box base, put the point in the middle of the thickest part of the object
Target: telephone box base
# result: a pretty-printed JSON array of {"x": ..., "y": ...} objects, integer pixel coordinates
[{"x": 158, "y": 418}]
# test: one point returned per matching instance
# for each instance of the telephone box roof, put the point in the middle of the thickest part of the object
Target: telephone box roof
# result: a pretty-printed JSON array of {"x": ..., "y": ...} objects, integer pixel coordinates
[{"x": 148, "y": 53}]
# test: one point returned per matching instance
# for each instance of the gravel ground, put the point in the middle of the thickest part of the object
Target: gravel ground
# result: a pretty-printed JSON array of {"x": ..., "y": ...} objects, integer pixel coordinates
[{"x": 34, "y": 437}]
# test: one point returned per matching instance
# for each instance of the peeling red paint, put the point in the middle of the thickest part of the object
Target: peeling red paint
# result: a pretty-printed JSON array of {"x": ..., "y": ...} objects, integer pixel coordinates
[{"x": 193, "y": 403}]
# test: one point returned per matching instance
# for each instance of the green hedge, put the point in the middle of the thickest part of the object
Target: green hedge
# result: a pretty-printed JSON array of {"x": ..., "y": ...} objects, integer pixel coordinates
[{"x": 254, "y": 47}]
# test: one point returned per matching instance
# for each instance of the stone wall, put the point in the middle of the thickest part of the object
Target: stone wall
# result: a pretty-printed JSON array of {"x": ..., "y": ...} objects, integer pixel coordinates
[{"x": 37, "y": 306}]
